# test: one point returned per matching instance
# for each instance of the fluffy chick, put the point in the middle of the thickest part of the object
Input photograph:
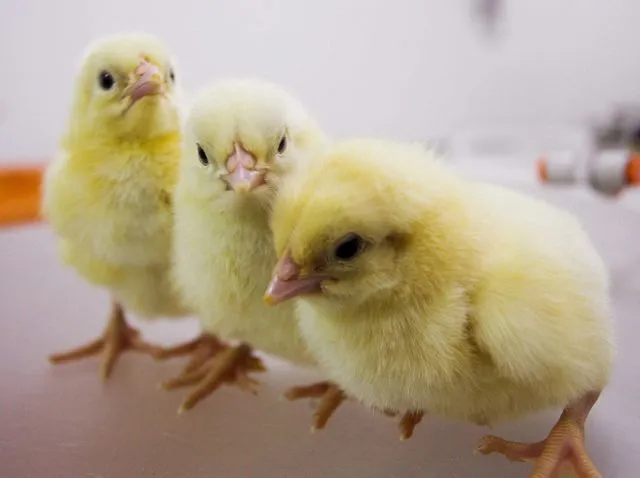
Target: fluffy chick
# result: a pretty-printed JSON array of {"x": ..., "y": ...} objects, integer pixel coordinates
[
  {"x": 107, "y": 193},
  {"x": 242, "y": 137},
  {"x": 419, "y": 291}
]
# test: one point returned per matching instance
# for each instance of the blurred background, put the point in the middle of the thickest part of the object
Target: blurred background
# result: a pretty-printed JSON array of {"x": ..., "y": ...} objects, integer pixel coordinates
[
  {"x": 494, "y": 83},
  {"x": 538, "y": 71}
]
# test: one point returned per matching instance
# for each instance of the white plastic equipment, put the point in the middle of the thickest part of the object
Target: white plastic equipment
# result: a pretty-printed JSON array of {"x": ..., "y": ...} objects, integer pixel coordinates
[{"x": 609, "y": 172}]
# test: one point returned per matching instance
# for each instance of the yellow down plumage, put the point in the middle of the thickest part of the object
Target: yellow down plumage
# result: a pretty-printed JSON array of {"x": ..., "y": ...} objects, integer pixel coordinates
[
  {"x": 439, "y": 294},
  {"x": 108, "y": 192},
  {"x": 223, "y": 249}
]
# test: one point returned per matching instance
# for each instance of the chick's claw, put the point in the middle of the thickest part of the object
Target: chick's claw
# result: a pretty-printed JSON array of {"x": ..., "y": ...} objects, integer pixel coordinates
[
  {"x": 563, "y": 448},
  {"x": 231, "y": 366},
  {"x": 408, "y": 423},
  {"x": 330, "y": 395},
  {"x": 117, "y": 337}
]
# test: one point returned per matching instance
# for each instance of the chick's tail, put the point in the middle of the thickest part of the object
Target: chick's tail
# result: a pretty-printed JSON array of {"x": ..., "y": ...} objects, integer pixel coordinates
[
  {"x": 117, "y": 337},
  {"x": 563, "y": 448}
]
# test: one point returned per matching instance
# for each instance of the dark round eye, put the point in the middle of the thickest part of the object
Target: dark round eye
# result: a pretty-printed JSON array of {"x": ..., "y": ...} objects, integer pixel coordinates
[
  {"x": 106, "y": 80},
  {"x": 350, "y": 246},
  {"x": 202, "y": 156},
  {"x": 282, "y": 145},
  {"x": 172, "y": 75}
]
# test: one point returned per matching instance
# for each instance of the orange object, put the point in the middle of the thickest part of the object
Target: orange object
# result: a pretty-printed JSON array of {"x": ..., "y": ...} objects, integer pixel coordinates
[
  {"x": 20, "y": 194},
  {"x": 633, "y": 170},
  {"x": 541, "y": 168}
]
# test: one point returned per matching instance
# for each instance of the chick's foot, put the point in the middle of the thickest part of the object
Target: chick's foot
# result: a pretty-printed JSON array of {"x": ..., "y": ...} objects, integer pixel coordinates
[
  {"x": 330, "y": 395},
  {"x": 407, "y": 423},
  {"x": 231, "y": 365},
  {"x": 117, "y": 337},
  {"x": 201, "y": 349},
  {"x": 563, "y": 448}
]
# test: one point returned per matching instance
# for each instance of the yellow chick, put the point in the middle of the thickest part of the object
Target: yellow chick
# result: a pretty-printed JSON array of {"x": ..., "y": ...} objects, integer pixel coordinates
[
  {"x": 419, "y": 291},
  {"x": 107, "y": 194},
  {"x": 242, "y": 137}
]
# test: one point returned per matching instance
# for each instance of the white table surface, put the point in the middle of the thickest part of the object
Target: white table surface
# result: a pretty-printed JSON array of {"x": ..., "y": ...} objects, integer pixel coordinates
[{"x": 62, "y": 422}]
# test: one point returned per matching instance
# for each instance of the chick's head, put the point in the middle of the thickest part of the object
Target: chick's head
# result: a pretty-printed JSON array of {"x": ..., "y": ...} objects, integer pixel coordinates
[
  {"x": 126, "y": 90},
  {"x": 365, "y": 219},
  {"x": 348, "y": 228},
  {"x": 244, "y": 135}
]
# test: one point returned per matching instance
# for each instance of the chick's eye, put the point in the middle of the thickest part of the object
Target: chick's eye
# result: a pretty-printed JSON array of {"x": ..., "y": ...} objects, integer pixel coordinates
[
  {"x": 282, "y": 145},
  {"x": 172, "y": 75},
  {"x": 349, "y": 247},
  {"x": 202, "y": 156},
  {"x": 106, "y": 80}
]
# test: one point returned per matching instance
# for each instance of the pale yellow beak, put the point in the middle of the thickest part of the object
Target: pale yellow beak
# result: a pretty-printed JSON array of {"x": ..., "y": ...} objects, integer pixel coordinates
[
  {"x": 287, "y": 283},
  {"x": 146, "y": 80},
  {"x": 243, "y": 175}
]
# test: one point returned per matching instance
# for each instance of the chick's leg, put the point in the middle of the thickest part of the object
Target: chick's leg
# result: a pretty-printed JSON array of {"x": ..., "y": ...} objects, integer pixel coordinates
[
  {"x": 330, "y": 395},
  {"x": 201, "y": 349},
  {"x": 117, "y": 337},
  {"x": 230, "y": 365},
  {"x": 563, "y": 446}
]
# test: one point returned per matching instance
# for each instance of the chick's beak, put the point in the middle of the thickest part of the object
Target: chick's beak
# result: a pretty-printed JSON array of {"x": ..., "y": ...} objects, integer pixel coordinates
[
  {"x": 146, "y": 80},
  {"x": 287, "y": 282},
  {"x": 243, "y": 176}
]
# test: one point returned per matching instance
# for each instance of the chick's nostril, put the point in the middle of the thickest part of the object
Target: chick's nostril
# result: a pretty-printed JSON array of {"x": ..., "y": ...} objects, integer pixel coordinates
[
  {"x": 240, "y": 157},
  {"x": 146, "y": 70},
  {"x": 288, "y": 270},
  {"x": 232, "y": 163}
]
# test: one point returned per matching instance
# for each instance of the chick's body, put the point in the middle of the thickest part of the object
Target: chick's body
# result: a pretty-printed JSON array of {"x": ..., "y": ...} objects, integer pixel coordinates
[
  {"x": 107, "y": 194},
  {"x": 115, "y": 222},
  {"x": 526, "y": 329},
  {"x": 242, "y": 137},
  {"x": 224, "y": 259},
  {"x": 464, "y": 300}
]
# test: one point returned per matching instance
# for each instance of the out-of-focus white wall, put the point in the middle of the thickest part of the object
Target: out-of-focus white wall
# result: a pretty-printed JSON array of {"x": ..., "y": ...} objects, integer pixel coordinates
[{"x": 410, "y": 69}]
